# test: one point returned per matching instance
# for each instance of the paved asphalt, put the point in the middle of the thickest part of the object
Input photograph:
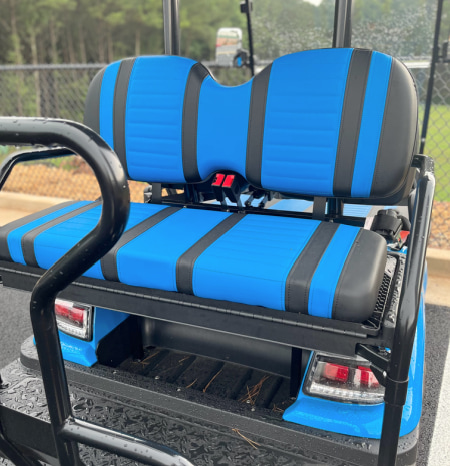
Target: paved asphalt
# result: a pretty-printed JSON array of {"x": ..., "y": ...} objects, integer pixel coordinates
[{"x": 433, "y": 447}]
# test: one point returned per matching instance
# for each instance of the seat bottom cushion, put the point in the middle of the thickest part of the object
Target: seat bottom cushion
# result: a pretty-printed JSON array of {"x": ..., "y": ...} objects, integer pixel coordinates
[{"x": 289, "y": 264}]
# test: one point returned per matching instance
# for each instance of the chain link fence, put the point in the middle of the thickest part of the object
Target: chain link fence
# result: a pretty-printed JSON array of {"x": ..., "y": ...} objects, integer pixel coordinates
[
  {"x": 437, "y": 144},
  {"x": 55, "y": 91},
  {"x": 59, "y": 92}
]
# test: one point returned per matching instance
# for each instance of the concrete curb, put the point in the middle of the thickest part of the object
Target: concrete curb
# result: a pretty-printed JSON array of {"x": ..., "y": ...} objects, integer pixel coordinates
[
  {"x": 27, "y": 202},
  {"x": 438, "y": 259},
  {"x": 438, "y": 262}
]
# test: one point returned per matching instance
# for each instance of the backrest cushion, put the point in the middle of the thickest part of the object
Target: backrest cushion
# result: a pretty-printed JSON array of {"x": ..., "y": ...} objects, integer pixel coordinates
[{"x": 328, "y": 122}]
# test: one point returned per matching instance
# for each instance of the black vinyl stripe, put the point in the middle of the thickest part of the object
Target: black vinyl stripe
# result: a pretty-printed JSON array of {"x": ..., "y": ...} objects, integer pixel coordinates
[
  {"x": 119, "y": 109},
  {"x": 8, "y": 228},
  {"x": 257, "y": 116},
  {"x": 301, "y": 274},
  {"x": 29, "y": 237},
  {"x": 358, "y": 285},
  {"x": 108, "y": 262},
  {"x": 398, "y": 133},
  {"x": 186, "y": 262},
  {"x": 194, "y": 82},
  {"x": 92, "y": 104},
  {"x": 355, "y": 92}
]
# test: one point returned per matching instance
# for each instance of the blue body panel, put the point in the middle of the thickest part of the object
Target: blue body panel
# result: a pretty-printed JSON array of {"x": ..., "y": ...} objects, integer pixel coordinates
[
  {"x": 84, "y": 352},
  {"x": 365, "y": 420}
]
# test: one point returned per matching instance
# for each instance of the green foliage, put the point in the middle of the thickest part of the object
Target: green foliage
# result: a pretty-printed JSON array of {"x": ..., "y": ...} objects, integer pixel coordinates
[{"x": 77, "y": 31}]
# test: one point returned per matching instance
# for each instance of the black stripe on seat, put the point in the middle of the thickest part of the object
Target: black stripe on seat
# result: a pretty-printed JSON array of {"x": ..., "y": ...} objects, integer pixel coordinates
[
  {"x": 197, "y": 75},
  {"x": 359, "y": 281},
  {"x": 352, "y": 110},
  {"x": 108, "y": 262},
  {"x": 8, "y": 228},
  {"x": 119, "y": 109},
  {"x": 92, "y": 106},
  {"x": 253, "y": 164},
  {"x": 301, "y": 274},
  {"x": 398, "y": 133},
  {"x": 186, "y": 262},
  {"x": 29, "y": 237}
]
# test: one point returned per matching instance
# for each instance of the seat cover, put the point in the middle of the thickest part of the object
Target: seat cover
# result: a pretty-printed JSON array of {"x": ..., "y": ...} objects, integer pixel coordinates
[{"x": 283, "y": 263}]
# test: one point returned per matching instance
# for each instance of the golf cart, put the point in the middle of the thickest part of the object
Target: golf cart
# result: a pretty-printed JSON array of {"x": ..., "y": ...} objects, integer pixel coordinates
[{"x": 265, "y": 305}]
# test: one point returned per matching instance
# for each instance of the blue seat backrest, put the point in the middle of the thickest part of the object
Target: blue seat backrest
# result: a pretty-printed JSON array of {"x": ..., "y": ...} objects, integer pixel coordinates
[{"x": 328, "y": 122}]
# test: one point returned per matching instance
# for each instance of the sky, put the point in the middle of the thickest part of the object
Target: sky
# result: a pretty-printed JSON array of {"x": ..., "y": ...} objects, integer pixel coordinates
[{"x": 314, "y": 2}]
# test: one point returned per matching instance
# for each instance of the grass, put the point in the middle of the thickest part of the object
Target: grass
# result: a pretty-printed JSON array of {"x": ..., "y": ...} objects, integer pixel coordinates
[{"x": 437, "y": 146}]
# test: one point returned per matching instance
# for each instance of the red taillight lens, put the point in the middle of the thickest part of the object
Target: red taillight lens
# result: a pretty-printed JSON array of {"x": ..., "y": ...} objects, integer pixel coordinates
[
  {"x": 335, "y": 372},
  {"x": 74, "y": 319},
  {"x": 367, "y": 377},
  {"x": 348, "y": 380}
]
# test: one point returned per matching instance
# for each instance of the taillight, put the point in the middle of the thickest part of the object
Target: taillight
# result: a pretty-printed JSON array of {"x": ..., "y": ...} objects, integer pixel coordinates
[
  {"x": 349, "y": 380},
  {"x": 74, "y": 319}
]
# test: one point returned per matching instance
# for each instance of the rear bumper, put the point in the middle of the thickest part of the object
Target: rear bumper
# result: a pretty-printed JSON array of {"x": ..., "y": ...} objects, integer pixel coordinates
[{"x": 203, "y": 428}]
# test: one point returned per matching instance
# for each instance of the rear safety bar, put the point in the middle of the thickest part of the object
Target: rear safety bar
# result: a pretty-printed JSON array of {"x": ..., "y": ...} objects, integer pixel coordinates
[{"x": 74, "y": 138}]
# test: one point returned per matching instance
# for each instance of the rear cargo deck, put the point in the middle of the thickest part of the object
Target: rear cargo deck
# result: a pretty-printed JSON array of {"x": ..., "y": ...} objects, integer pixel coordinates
[{"x": 190, "y": 404}]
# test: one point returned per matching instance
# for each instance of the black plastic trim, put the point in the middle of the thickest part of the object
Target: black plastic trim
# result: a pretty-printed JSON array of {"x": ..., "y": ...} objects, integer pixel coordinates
[{"x": 290, "y": 329}]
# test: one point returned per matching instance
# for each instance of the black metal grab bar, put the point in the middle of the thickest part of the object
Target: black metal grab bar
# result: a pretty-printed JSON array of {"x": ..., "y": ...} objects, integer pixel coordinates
[
  {"x": 81, "y": 140},
  {"x": 405, "y": 330}
]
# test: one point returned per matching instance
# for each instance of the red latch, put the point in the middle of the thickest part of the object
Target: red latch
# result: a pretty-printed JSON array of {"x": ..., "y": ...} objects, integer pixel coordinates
[
  {"x": 229, "y": 180},
  {"x": 218, "y": 180}
]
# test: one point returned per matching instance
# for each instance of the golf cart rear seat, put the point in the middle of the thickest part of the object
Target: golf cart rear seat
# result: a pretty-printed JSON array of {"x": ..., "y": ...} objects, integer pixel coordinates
[{"x": 331, "y": 123}]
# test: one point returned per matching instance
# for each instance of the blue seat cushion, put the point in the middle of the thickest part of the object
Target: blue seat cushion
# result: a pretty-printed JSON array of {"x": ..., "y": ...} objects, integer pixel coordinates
[{"x": 283, "y": 263}]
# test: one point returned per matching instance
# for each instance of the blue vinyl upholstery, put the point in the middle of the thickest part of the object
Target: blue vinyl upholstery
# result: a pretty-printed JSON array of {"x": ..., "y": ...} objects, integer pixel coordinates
[{"x": 307, "y": 93}]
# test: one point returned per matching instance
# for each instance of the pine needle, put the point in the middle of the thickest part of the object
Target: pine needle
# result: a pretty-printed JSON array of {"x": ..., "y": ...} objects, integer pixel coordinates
[
  {"x": 211, "y": 381},
  {"x": 192, "y": 383},
  {"x": 253, "y": 392},
  {"x": 254, "y": 444}
]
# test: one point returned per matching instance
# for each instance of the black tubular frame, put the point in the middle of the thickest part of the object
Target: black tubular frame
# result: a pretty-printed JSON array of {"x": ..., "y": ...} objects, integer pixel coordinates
[
  {"x": 171, "y": 19},
  {"x": 396, "y": 379},
  {"x": 67, "y": 430}
]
